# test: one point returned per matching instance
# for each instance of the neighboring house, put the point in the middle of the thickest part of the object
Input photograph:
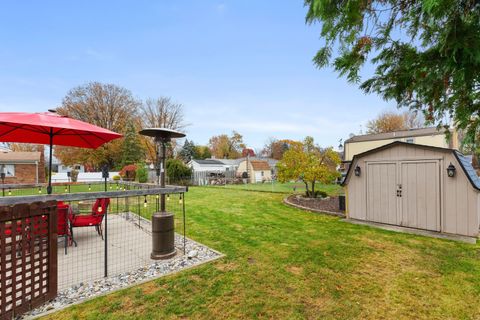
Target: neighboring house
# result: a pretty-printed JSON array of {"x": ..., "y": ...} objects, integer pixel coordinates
[
  {"x": 207, "y": 165},
  {"x": 424, "y": 136},
  {"x": 58, "y": 167},
  {"x": 231, "y": 164},
  {"x": 257, "y": 170},
  {"x": 234, "y": 163},
  {"x": 22, "y": 167},
  {"x": 62, "y": 168},
  {"x": 272, "y": 163},
  {"x": 4, "y": 148}
]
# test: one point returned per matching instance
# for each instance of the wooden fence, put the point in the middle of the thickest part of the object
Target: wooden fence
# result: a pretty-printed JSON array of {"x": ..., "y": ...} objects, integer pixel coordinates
[{"x": 28, "y": 257}]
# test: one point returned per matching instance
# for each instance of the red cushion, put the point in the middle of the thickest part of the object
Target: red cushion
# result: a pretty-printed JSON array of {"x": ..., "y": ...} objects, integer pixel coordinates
[{"x": 85, "y": 221}]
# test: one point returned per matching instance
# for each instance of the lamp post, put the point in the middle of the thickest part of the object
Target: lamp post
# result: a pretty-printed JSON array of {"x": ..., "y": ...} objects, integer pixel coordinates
[{"x": 163, "y": 238}]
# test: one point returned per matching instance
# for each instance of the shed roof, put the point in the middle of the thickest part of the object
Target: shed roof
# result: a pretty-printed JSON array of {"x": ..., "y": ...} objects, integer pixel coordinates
[
  {"x": 259, "y": 165},
  {"x": 468, "y": 168},
  {"x": 19, "y": 156},
  {"x": 396, "y": 134},
  {"x": 461, "y": 158}
]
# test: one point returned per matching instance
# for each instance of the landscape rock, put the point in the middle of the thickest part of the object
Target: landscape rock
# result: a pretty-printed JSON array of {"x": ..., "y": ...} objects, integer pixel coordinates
[{"x": 196, "y": 254}]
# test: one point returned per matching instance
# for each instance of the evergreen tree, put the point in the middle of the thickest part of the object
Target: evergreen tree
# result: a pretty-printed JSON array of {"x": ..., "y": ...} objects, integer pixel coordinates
[
  {"x": 132, "y": 149},
  {"x": 425, "y": 53},
  {"x": 188, "y": 151}
]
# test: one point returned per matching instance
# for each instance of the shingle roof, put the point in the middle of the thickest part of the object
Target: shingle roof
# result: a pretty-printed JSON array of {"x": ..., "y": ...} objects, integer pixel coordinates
[
  {"x": 19, "y": 156},
  {"x": 230, "y": 162},
  {"x": 208, "y": 161},
  {"x": 259, "y": 165},
  {"x": 396, "y": 134},
  {"x": 468, "y": 168}
]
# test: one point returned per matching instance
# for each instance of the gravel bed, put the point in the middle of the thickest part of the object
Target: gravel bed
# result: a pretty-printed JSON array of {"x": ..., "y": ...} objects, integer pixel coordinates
[
  {"x": 329, "y": 204},
  {"x": 196, "y": 254}
]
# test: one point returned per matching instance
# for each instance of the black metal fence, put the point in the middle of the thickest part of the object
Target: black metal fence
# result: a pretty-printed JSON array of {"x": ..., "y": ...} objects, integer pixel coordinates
[{"x": 106, "y": 233}]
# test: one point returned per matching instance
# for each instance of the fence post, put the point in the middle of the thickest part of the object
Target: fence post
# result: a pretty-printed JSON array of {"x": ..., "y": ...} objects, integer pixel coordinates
[{"x": 105, "y": 175}]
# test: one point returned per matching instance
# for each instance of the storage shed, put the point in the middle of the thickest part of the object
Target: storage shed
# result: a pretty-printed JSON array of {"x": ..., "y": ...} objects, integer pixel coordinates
[{"x": 414, "y": 186}]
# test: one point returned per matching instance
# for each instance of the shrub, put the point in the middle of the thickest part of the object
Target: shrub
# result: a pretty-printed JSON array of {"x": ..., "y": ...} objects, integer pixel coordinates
[
  {"x": 177, "y": 171},
  {"x": 128, "y": 172},
  {"x": 142, "y": 173},
  {"x": 116, "y": 178}
]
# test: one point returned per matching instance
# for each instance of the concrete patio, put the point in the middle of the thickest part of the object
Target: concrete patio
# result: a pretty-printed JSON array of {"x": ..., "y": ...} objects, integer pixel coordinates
[{"x": 129, "y": 247}]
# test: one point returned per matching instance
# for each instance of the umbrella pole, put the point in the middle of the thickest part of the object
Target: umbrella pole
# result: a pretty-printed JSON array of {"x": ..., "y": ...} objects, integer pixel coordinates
[{"x": 49, "y": 188}]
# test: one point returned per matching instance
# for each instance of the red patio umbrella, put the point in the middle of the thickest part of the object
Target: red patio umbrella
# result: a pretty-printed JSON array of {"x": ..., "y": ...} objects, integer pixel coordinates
[{"x": 52, "y": 129}]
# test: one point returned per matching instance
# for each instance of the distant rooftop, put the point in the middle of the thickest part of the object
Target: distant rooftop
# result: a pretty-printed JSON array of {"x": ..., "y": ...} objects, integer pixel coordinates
[
  {"x": 208, "y": 161},
  {"x": 396, "y": 134},
  {"x": 19, "y": 156},
  {"x": 260, "y": 165}
]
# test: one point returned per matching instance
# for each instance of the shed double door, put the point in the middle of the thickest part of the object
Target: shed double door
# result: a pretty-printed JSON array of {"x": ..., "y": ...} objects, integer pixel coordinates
[{"x": 405, "y": 193}]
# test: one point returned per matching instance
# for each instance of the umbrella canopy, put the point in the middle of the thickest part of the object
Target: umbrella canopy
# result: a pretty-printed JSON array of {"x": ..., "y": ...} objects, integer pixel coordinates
[
  {"x": 38, "y": 127},
  {"x": 52, "y": 129}
]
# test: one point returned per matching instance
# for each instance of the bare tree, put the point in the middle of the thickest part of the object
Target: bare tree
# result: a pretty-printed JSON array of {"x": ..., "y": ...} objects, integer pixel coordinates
[
  {"x": 390, "y": 121},
  {"x": 19, "y": 147},
  {"x": 163, "y": 113}
]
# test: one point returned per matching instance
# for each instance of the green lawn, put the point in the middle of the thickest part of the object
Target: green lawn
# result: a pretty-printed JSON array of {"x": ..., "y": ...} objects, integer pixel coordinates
[
  {"x": 287, "y": 188},
  {"x": 283, "y": 263}
]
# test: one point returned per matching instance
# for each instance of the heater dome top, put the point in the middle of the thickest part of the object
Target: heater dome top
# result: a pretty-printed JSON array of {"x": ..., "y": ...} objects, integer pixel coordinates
[{"x": 162, "y": 133}]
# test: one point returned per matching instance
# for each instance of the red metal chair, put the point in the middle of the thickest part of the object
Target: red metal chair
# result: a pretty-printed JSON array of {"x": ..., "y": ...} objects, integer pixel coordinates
[
  {"x": 95, "y": 218},
  {"x": 63, "y": 227}
]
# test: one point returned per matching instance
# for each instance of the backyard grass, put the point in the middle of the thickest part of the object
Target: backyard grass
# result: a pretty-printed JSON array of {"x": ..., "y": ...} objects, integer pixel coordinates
[
  {"x": 283, "y": 263},
  {"x": 287, "y": 188}
]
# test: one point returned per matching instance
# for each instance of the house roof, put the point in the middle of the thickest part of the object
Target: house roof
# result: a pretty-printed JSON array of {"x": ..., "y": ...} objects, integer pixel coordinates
[
  {"x": 19, "y": 156},
  {"x": 461, "y": 158},
  {"x": 259, "y": 165},
  {"x": 235, "y": 162},
  {"x": 230, "y": 162},
  {"x": 208, "y": 162},
  {"x": 396, "y": 134}
]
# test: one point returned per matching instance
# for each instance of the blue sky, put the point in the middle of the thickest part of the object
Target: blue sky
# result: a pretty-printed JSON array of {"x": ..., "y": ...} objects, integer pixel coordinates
[{"x": 235, "y": 65}]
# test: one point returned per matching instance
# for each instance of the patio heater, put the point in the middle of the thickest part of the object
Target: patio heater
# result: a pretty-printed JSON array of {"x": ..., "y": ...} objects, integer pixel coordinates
[{"x": 163, "y": 237}]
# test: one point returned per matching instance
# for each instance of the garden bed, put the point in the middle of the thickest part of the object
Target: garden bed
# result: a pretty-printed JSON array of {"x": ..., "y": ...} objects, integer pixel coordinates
[{"x": 329, "y": 205}]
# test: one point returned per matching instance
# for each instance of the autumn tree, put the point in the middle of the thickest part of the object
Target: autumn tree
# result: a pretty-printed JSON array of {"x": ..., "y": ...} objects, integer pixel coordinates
[
  {"x": 161, "y": 113},
  {"x": 248, "y": 152},
  {"x": 105, "y": 105},
  {"x": 309, "y": 163},
  {"x": 425, "y": 53},
  {"x": 275, "y": 148},
  {"x": 224, "y": 146},
  {"x": 202, "y": 152},
  {"x": 390, "y": 121}
]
